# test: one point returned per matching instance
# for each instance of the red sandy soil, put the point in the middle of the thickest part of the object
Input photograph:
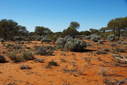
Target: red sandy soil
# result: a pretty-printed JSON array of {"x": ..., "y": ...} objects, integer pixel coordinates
[{"x": 75, "y": 68}]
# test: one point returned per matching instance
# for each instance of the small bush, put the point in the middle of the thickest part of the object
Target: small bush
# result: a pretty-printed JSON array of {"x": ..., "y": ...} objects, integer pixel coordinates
[
  {"x": 52, "y": 63},
  {"x": 28, "y": 55},
  {"x": 120, "y": 59},
  {"x": 8, "y": 45},
  {"x": 111, "y": 37},
  {"x": 88, "y": 44},
  {"x": 109, "y": 82},
  {"x": 46, "y": 39},
  {"x": 101, "y": 41},
  {"x": 60, "y": 42},
  {"x": 2, "y": 59},
  {"x": 25, "y": 67},
  {"x": 17, "y": 56},
  {"x": 45, "y": 50},
  {"x": 75, "y": 45},
  {"x": 87, "y": 37},
  {"x": 17, "y": 59},
  {"x": 119, "y": 50},
  {"x": 95, "y": 37},
  {"x": 13, "y": 46},
  {"x": 117, "y": 56},
  {"x": 70, "y": 44},
  {"x": 116, "y": 82},
  {"x": 67, "y": 38}
]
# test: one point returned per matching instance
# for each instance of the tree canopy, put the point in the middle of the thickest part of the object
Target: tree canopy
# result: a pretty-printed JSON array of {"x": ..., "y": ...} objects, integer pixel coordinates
[
  {"x": 40, "y": 30},
  {"x": 72, "y": 29},
  {"x": 74, "y": 25},
  {"x": 117, "y": 25},
  {"x": 10, "y": 28}
]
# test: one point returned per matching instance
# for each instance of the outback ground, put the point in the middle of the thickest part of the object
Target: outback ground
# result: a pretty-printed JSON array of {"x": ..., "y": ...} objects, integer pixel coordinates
[{"x": 94, "y": 66}]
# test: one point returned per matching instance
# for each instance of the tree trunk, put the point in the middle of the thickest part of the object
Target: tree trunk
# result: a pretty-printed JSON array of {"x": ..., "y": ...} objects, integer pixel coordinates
[
  {"x": 119, "y": 33},
  {"x": 114, "y": 32}
]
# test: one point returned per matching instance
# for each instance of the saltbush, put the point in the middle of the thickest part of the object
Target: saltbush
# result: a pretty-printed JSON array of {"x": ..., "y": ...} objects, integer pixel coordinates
[
  {"x": 45, "y": 50},
  {"x": 17, "y": 56},
  {"x": 70, "y": 44},
  {"x": 111, "y": 37},
  {"x": 95, "y": 37},
  {"x": 75, "y": 45}
]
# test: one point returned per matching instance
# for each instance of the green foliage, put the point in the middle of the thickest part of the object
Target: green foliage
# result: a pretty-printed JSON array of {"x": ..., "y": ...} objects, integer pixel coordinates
[
  {"x": 70, "y": 44},
  {"x": 17, "y": 56},
  {"x": 87, "y": 33},
  {"x": 95, "y": 37},
  {"x": 111, "y": 37},
  {"x": 75, "y": 45},
  {"x": 27, "y": 55},
  {"x": 10, "y": 28},
  {"x": 93, "y": 31},
  {"x": 117, "y": 25},
  {"x": 40, "y": 30},
  {"x": 44, "y": 50},
  {"x": 55, "y": 36},
  {"x": 60, "y": 42},
  {"x": 70, "y": 31},
  {"x": 74, "y": 25},
  {"x": 51, "y": 64}
]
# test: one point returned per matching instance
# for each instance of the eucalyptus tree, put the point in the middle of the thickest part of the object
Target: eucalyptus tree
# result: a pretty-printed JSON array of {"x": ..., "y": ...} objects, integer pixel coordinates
[
  {"x": 117, "y": 25},
  {"x": 41, "y": 30},
  {"x": 72, "y": 29},
  {"x": 10, "y": 28}
]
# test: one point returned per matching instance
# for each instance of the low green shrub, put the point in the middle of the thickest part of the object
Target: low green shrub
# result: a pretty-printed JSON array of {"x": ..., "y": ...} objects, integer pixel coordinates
[{"x": 45, "y": 50}]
